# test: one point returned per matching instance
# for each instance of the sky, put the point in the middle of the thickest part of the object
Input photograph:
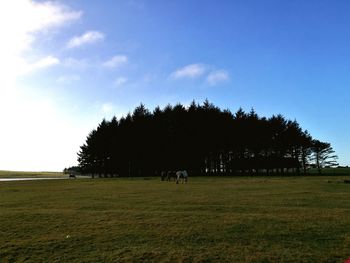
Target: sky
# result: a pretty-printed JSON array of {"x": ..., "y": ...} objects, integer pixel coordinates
[{"x": 65, "y": 65}]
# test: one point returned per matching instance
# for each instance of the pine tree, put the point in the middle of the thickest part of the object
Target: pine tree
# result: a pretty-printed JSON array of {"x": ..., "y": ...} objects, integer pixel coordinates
[{"x": 324, "y": 155}]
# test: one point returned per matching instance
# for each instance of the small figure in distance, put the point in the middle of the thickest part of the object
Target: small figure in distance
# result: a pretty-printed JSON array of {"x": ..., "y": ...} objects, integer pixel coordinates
[
  {"x": 181, "y": 175},
  {"x": 171, "y": 174},
  {"x": 163, "y": 175}
]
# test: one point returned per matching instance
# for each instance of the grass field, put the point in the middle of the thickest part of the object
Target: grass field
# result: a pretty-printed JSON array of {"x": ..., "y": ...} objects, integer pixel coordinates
[
  {"x": 19, "y": 174},
  {"x": 331, "y": 171},
  {"x": 255, "y": 219}
]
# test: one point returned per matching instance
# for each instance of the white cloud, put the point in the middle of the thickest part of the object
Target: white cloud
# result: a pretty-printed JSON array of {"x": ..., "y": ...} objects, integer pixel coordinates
[
  {"x": 20, "y": 23},
  {"x": 45, "y": 138},
  {"x": 189, "y": 71},
  {"x": 120, "y": 81},
  {"x": 116, "y": 61},
  {"x": 217, "y": 76},
  {"x": 43, "y": 63},
  {"x": 89, "y": 37}
]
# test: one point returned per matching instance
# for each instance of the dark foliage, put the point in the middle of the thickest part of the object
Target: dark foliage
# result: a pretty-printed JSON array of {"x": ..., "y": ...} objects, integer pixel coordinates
[
  {"x": 202, "y": 139},
  {"x": 72, "y": 170}
]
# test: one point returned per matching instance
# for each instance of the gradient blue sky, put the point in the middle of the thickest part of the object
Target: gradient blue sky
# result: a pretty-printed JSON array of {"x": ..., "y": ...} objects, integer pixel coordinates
[{"x": 80, "y": 61}]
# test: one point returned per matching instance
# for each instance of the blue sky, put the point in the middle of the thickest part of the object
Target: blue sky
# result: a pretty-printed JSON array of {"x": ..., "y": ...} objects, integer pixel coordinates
[{"x": 68, "y": 64}]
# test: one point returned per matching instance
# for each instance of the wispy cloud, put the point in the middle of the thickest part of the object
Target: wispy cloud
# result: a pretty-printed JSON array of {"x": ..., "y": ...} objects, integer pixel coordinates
[
  {"x": 68, "y": 78},
  {"x": 74, "y": 63},
  {"x": 116, "y": 61},
  {"x": 189, "y": 71},
  {"x": 44, "y": 63},
  {"x": 20, "y": 23},
  {"x": 217, "y": 76},
  {"x": 107, "y": 107},
  {"x": 192, "y": 71},
  {"x": 120, "y": 81},
  {"x": 89, "y": 37},
  {"x": 23, "y": 23}
]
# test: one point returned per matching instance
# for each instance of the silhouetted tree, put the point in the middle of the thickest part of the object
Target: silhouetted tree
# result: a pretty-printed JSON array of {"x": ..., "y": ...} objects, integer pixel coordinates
[
  {"x": 200, "y": 138},
  {"x": 324, "y": 155}
]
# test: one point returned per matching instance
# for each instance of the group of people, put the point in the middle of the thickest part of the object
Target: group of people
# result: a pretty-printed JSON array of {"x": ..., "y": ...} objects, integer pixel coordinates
[{"x": 178, "y": 176}]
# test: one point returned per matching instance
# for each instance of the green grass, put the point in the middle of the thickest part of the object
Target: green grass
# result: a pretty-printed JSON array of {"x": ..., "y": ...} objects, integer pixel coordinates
[
  {"x": 255, "y": 219},
  {"x": 19, "y": 174},
  {"x": 331, "y": 171}
]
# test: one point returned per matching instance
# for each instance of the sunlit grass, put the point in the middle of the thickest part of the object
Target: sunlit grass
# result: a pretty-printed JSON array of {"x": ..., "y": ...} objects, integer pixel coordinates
[
  {"x": 255, "y": 219},
  {"x": 19, "y": 174}
]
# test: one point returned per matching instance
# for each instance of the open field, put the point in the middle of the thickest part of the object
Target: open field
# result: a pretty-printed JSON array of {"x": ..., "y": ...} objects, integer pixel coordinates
[
  {"x": 331, "y": 171},
  {"x": 19, "y": 174},
  {"x": 242, "y": 219}
]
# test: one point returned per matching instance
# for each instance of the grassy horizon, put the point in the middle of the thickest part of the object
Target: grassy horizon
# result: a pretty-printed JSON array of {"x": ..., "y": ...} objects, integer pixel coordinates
[
  {"x": 24, "y": 174},
  {"x": 210, "y": 219}
]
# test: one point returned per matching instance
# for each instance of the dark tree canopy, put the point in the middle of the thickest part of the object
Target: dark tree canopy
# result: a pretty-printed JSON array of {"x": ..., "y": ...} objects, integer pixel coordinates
[
  {"x": 202, "y": 139},
  {"x": 324, "y": 155}
]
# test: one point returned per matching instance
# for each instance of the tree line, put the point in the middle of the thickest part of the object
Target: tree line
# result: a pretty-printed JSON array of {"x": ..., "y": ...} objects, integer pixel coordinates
[{"x": 204, "y": 140}]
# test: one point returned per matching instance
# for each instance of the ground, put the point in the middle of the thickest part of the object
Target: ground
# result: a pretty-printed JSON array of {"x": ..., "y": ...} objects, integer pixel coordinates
[
  {"x": 231, "y": 219},
  {"x": 12, "y": 174}
]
